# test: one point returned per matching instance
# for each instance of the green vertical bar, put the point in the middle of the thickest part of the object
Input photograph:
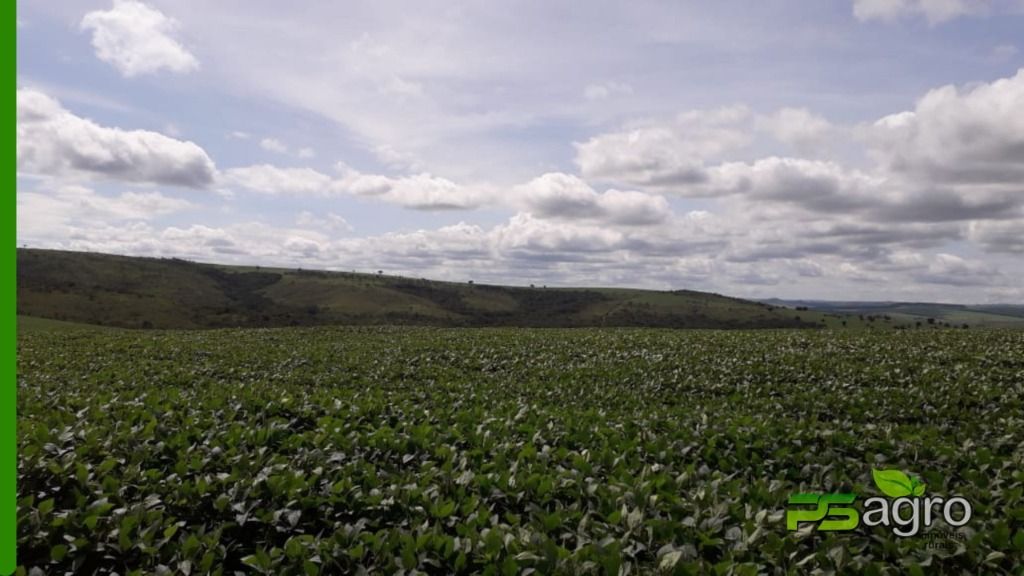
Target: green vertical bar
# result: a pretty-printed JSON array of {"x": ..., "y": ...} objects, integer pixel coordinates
[{"x": 8, "y": 297}]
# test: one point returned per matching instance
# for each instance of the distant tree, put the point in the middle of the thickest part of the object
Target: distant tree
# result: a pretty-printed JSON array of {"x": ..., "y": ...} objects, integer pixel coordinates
[
  {"x": 379, "y": 272},
  {"x": 965, "y": 327},
  {"x": 931, "y": 320},
  {"x": 470, "y": 281}
]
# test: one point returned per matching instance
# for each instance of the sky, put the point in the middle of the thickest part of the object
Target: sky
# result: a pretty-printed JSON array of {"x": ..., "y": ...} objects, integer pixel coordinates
[{"x": 837, "y": 150}]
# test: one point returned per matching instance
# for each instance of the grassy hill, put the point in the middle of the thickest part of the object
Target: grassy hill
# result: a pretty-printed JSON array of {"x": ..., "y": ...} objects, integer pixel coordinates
[
  {"x": 914, "y": 313},
  {"x": 134, "y": 292}
]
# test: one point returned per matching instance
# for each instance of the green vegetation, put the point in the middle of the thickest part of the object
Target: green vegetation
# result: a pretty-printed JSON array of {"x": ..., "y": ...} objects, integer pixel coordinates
[
  {"x": 33, "y": 324},
  {"x": 169, "y": 293},
  {"x": 916, "y": 314},
  {"x": 504, "y": 451}
]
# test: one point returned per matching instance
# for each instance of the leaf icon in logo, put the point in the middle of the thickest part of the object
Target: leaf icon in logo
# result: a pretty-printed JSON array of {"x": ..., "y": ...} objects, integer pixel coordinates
[{"x": 894, "y": 483}]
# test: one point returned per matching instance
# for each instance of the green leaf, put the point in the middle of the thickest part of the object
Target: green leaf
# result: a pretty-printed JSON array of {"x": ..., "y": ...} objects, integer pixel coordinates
[
  {"x": 191, "y": 545},
  {"x": 107, "y": 465},
  {"x": 1018, "y": 540},
  {"x": 444, "y": 510},
  {"x": 207, "y": 562},
  {"x": 509, "y": 567},
  {"x": 58, "y": 552},
  {"x": 893, "y": 483},
  {"x": 124, "y": 540},
  {"x": 1001, "y": 536},
  {"x": 170, "y": 531}
]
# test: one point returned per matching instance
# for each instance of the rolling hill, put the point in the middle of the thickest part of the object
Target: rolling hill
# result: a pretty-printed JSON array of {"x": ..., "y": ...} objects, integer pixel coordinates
[
  {"x": 134, "y": 292},
  {"x": 914, "y": 313}
]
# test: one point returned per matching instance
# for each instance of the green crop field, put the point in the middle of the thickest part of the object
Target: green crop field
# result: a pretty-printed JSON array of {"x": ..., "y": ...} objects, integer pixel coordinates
[{"x": 510, "y": 450}]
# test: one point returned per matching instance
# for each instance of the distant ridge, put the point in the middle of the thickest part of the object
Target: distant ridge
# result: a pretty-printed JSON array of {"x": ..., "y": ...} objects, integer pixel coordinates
[
  {"x": 137, "y": 292},
  {"x": 984, "y": 315}
]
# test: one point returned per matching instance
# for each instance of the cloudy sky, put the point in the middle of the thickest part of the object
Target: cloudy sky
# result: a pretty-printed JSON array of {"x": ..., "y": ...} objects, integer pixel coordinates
[{"x": 848, "y": 149}]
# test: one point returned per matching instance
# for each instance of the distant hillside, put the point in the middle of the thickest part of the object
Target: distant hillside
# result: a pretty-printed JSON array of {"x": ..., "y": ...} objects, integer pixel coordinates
[
  {"x": 170, "y": 293},
  {"x": 913, "y": 313}
]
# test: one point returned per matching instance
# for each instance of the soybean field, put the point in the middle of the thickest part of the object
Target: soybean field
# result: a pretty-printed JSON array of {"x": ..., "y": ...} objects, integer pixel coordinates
[{"x": 402, "y": 450}]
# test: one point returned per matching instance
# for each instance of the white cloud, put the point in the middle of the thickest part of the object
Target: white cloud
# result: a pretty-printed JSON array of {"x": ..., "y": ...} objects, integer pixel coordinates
[
  {"x": 419, "y": 191},
  {"x": 829, "y": 188},
  {"x": 396, "y": 159},
  {"x": 806, "y": 132},
  {"x": 665, "y": 155},
  {"x": 567, "y": 197},
  {"x": 329, "y": 222},
  {"x": 972, "y": 135},
  {"x": 958, "y": 156},
  {"x": 270, "y": 179},
  {"x": 306, "y": 153},
  {"x": 239, "y": 241},
  {"x": 935, "y": 11},
  {"x": 998, "y": 236},
  {"x": 137, "y": 39},
  {"x": 811, "y": 184},
  {"x": 273, "y": 145},
  {"x": 50, "y": 212},
  {"x": 605, "y": 90},
  {"x": 941, "y": 268},
  {"x": 54, "y": 142},
  {"x": 548, "y": 239}
]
